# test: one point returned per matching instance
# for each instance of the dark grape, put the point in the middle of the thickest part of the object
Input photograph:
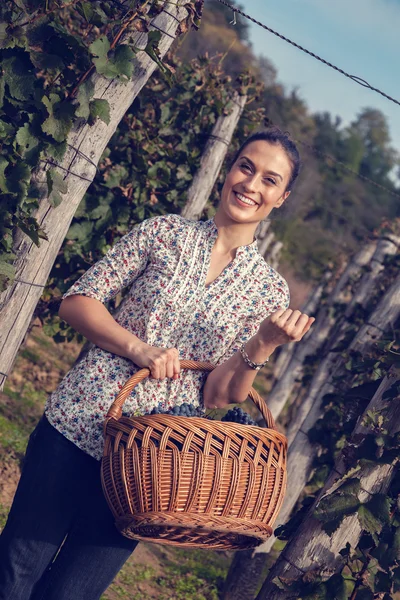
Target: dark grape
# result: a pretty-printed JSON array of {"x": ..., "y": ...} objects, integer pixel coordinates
[
  {"x": 238, "y": 415},
  {"x": 182, "y": 410}
]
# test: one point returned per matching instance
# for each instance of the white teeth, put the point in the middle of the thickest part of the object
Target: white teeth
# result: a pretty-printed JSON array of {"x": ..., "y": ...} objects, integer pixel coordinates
[{"x": 245, "y": 200}]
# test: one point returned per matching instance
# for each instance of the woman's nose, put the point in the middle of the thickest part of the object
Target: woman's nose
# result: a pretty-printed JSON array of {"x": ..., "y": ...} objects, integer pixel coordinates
[{"x": 251, "y": 184}]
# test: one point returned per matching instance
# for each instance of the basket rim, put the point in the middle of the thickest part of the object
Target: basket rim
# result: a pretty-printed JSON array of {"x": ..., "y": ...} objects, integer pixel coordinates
[{"x": 254, "y": 429}]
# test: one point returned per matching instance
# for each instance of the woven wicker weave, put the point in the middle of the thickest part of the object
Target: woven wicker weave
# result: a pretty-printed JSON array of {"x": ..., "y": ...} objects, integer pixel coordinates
[{"x": 191, "y": 481}]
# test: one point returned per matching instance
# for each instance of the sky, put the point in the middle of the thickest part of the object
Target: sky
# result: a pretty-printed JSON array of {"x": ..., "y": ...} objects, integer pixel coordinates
[{"x": 362, "y": 37}]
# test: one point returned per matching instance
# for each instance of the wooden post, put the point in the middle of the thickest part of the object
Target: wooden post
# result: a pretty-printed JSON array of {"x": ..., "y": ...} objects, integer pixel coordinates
[
  {"x": 385, "y": 247},
  {"x": 311, "y": 548},
  {"x": 265, "y": 243},
  {"x": 33, "y": 264},
  {"x": 280, "y": 393},
  {"x": 212, "y": 159},
  {"x": 301, "y": 451},
  {"x": 274, "y": 254}
]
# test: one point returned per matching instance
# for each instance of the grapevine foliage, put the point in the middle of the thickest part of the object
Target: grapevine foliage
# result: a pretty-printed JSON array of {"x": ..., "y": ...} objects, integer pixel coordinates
[
  {"x": 372, "y": 569},
  {"x": 48, "y": 52}
]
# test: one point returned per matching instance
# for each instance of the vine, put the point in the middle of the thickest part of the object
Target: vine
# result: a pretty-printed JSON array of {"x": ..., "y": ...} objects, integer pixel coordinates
[
  {"x": 48, "y": 50},
  {"x": 372, "y": 569}
]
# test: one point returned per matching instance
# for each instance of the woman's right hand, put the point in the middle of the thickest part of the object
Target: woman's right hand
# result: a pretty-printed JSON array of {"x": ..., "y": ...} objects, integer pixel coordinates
[{"x": 162, "y": 362}]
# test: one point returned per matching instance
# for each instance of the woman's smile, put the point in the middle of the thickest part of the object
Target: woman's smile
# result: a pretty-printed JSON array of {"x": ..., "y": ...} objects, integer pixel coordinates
[{"x": 243, "y": 200}]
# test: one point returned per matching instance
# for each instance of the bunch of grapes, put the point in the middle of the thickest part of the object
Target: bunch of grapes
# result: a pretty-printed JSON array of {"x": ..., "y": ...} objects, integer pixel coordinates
[
  {"x": 237, "y": 415},
  {"x": 182, "y": 410}
]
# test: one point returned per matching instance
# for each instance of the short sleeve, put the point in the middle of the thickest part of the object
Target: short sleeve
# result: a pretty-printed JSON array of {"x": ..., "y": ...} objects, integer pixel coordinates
[{"x": 122, "y": 264}]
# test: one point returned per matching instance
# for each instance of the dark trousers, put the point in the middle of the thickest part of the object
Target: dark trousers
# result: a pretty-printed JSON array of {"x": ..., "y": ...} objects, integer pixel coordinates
[{"x": 60, "y": 541}]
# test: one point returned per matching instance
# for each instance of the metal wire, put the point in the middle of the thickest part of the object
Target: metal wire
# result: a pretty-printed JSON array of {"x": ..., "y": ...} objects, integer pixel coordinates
[
  {"x": 355, "y": 78},
  {"x": 344, "y": 166},
  {"x": 30, "y": 283}
]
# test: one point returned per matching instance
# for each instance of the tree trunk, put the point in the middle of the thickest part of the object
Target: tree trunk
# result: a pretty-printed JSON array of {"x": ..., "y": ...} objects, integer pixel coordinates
[
  {"x": 301, "y": 451},
  {"x": 313, "y": 549},
  {"x": 243, "y": 577},
  {"x": 33, "y": 264},
  {"x": 212, "y": 159}
]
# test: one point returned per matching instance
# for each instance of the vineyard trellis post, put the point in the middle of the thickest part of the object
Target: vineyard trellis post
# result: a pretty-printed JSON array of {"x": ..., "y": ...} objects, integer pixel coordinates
[
  {"x": 324, "y": 323},
  {"x": 386, "y": 246},
  {"x": 301, "y": 451},
  {"x": 312, "y": 548},
  {"x": 212, "y": 158},
  {"x": 32, "y": 263}
]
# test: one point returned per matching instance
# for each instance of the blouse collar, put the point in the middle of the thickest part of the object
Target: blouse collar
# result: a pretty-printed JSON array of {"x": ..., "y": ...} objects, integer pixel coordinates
[{"x": 249, "y": 250}]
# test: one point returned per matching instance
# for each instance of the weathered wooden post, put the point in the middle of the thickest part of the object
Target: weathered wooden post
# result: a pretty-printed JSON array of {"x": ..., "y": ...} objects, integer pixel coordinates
[
  {"x": 301, "y": 451},
  {"x": 33, "y": 263},
  {"x": 386, "y": 246},
  {"x": 313, "y": 549},
  {"x": 212, "y": 159},
  {"x": 324, "y": 322}
]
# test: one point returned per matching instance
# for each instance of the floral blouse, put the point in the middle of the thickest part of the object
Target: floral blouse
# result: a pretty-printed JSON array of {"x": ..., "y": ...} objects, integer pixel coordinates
[{"x": 165, "y": 261}]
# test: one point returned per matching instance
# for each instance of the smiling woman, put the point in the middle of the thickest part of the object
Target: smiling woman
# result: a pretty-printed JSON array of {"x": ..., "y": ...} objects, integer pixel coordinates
[{"x": 198, "y": 291}]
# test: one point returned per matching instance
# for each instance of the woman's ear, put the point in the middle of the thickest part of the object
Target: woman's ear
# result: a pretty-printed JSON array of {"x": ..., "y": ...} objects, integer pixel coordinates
[{"x": 282, "y": 199}]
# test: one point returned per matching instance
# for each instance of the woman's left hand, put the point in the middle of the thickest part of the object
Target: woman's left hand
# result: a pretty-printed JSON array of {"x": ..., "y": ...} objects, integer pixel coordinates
[{"x": 284, "y": 326}]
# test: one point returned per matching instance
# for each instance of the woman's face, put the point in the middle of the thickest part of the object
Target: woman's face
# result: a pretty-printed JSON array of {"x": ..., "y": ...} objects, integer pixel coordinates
[{"x": 256, "y": 183}]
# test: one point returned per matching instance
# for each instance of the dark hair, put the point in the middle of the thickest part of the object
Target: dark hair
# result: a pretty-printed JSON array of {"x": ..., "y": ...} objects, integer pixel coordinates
[{"x": 274, "y": 135}]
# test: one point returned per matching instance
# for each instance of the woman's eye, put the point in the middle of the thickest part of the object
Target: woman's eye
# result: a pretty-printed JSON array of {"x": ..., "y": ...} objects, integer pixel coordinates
[
  {"x": 271, "y": 180},
  {"x": 244, "y": 166}
]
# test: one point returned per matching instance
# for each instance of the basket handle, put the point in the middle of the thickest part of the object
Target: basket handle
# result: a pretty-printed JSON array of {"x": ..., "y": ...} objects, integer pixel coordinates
[{"x": 115, "y": 409}]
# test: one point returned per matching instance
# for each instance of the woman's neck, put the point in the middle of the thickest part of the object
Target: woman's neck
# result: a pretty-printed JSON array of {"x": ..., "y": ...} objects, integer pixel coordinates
[{"x": 232, "y": 235}]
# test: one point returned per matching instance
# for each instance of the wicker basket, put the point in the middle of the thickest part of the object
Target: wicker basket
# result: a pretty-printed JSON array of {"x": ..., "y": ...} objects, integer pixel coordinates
[{"x": 191, "y": 481}]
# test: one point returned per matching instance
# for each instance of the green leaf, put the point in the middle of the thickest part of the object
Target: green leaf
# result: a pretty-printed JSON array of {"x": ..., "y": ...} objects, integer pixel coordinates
[
  {"x": 19, "y": 77},
  {"x": 374, "y": 514},
  {"x": 336, "y": 587},
  {"x": 47, "y": 62},
  {"x": 6, "y": 129},
  {"x": 100, "y": 47},
  {"x": 3, "y": 165},
  {"x": 6, "y": 268},
  {"x": 18, "y": 178},
  {"x": 56, "y": 186},
  {"x": 112, "y": 62},
  {"x": 85, "y": 93},
  {"x": 80, "y": 231},
  {"x": 59, "y": 121},
  {"x": 26, "y": 139},
  {"x": 31, "y": 228},
  {"x": 86, "y": 10},
  {"x": 99, "y": 109},
  {"x": 123, "y": 60},
  {"x": 333, "y": 508},
  {"x": 114, "y": 176}
]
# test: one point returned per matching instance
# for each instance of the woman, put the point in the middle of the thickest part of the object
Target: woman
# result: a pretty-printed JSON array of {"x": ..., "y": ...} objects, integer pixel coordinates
[{"x": 200, "y": 291}]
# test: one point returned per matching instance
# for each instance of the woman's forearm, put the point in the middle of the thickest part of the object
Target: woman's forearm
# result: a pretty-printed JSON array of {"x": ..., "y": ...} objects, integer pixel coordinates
[
  {"x": 231, "y": 381},
  {"x": 91, "y": 318}
]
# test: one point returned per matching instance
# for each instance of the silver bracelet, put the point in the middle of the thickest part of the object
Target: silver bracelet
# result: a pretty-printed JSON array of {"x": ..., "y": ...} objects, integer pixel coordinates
[{"x": 249, "y": 362}]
